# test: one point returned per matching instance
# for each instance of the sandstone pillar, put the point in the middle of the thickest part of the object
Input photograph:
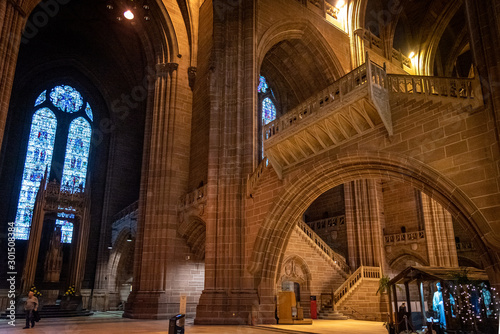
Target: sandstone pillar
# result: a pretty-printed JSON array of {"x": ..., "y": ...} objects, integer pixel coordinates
[
  {"x": 229, "y": 292},
  {"x": 164, "y": 179},
  {"x": 12, "y": 18},
  {"x": 439, "y": 234},
  {"x": 364, "y": 223}
]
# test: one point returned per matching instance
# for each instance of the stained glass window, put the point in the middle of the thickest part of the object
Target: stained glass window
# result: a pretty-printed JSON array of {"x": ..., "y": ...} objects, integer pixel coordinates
[
  {"x": 41, "y": 98},
  {"x": 262, "y": 85},
  {"x": 268, "y": 110},
  {"x": 38, "y": 159},
  {"x": 66, "y": 98},
  {"x": 75, "y": 165},
  {"x": 88, "y": 111},
  {"x": 39, "y": 156}
]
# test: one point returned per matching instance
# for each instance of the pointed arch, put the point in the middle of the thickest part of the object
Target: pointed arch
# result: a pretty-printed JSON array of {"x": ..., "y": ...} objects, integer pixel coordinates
[{"x": 38, "y": 159}]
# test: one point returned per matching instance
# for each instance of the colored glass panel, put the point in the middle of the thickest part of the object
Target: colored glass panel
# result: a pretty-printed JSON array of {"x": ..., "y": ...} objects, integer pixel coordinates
[
  {"x": 66, "y": 227},
  {"x": 38, "y": 159},
  {"x": 262, "y": 85},
  {"x": 268, "y": 111},
  {"x": 88, "y": 111},
  {"x": 66, "y": 98},
  {"x": 75, "y": 166},
  {"x": 41, "y": 98}
]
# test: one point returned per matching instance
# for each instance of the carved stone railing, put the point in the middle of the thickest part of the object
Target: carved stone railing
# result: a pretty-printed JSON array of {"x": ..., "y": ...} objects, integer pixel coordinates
[
  {"x": 255, "y": 176},
  {"x": 375, "y": 43},
  {"x": 327, "y": 222},
  {"x": 322, "y": 8},
  {"x": 126, "y": 211},
  {"x": 64, "y": 199},
  {"x": 338, "y": 259},
  {"x": 362, "y": 273},
  {"x": 462, "y": 90},
  {"x": 334, "y": 94},
  {"x": 353, "y": 105},
  {"x": 465, "y": 246},
  {"x": 404, "y": 238},
  {"x": 194, "y": 199}
]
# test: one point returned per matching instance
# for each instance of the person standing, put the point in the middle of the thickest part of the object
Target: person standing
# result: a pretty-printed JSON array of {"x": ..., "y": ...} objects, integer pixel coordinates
[{"x": 30, "y": 305}]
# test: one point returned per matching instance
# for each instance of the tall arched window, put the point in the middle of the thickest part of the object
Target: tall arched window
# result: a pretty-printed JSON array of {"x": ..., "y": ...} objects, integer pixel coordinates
[
  {"x": 62, "y": 99},
  {"x": 267, "y": 107},
  {"x": 38, "y": 159}
]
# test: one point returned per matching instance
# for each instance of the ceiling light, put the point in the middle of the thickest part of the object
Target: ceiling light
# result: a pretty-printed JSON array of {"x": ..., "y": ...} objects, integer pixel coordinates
[
  {"x": 412, "y": 54},
  {"x": 128, "y": 15},
  {"x": 340, "y": 4}
]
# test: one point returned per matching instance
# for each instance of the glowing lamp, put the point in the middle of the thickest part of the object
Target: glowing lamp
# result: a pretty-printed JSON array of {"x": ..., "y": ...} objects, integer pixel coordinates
[{"x": 128, "y": 15}]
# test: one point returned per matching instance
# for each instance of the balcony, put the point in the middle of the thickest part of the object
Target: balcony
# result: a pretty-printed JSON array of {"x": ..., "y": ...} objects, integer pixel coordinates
[{"x": 355, "y": 104}]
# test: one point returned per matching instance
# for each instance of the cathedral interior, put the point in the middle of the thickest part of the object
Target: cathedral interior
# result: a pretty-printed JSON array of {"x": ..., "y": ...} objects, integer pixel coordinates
[{"x": 250, "y": 161}]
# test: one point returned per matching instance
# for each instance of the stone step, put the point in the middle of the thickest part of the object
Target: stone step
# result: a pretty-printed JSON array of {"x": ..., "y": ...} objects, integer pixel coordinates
[
  {"x": 54, "y": 313},
  {"x": 330, "y": 314}
]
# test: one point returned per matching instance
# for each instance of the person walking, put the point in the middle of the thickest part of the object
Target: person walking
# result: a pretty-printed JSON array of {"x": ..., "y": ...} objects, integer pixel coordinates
[{"x": 30, "y": 305}]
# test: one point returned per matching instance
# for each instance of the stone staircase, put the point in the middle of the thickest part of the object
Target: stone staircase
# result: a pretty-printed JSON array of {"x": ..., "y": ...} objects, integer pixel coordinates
[
  {"x": 328, "y": 313},
  {"x": 54, "y": 311},
  {"x": 336, "y": 260}
]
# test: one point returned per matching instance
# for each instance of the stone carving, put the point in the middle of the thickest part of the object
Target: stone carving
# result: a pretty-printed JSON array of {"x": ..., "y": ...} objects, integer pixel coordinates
[
  {"x": 294, "y": 270},
  {"x": 54, "y": 257}
]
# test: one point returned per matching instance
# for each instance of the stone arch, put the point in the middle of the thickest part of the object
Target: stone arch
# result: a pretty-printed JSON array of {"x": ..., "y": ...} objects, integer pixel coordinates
[
  {"x": 406, "y": 255},
  {"x": 304, "y": 187},
  {"x": 193, "y": 230},
  {"x": 121, "y": 257},
  {"x": 431, "y": 36},
  {"x": 292, "y": 274},
  {"x": 294, "y": 36}
]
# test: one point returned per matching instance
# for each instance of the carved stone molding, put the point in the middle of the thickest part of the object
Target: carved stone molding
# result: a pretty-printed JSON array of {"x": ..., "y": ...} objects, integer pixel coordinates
[
  {"x": 192, "y": 76},
  {"x": 165, "y": 69}
]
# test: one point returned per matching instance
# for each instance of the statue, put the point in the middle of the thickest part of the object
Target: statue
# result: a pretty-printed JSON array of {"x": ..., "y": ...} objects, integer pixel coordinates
[
  {"x": 486, "y": 296},
  {"x": 438, "y": 305},
  {"x": 54, "y": 258}
]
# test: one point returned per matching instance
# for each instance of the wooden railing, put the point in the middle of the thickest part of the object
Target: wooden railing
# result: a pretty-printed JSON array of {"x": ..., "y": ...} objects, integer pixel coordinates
[
  {"x": 361, "y": 273},
  {"x": 337, "y": 258},
  {"x": 335, "y": 93},
  {"x": 458, "y": 88},
  {"x": 404, "y": 237},
  {"x": 255, "y": 176}
]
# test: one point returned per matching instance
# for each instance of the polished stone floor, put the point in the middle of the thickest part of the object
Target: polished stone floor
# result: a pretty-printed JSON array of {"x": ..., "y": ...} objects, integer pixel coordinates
[{"x": 113, "y": 323}]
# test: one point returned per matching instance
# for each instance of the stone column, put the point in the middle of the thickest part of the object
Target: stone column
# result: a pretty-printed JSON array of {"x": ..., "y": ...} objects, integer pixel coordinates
[
  {"x": 12, "y": 19},
  {"x": 79, "y": 247},
  {"x": 31, "y": 260},
  {"x": 364, "y": 223},
  {"x": 164, "y": 179},
  {"x": 229, "y": 293},
  {"x": 439, "y": 234}
]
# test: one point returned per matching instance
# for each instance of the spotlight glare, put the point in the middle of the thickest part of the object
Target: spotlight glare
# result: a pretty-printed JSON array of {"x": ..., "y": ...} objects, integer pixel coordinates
[{"x": 128, "y": 15}]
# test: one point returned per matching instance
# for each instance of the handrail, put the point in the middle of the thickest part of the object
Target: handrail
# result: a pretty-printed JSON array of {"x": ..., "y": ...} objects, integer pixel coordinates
[
  {"x": 404, "y": 237},
  {"x": 327, "y": 222},
  {"x": 465, "y": 246},
  {"x": 335, "y": 93},
  {"x": 337, "y": 258},
  {"x": 253, "y": 178},
  {"x": 127, "y": 210},
  {"x": 194, "y": 197},
  {"x": 459, "y": 88},
  {"x": 361, "y": 273}
]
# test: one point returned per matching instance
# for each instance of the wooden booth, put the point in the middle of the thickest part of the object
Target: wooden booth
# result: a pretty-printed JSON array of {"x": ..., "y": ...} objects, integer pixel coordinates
[{"x": 448, "y": 300}]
